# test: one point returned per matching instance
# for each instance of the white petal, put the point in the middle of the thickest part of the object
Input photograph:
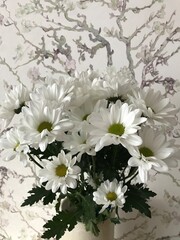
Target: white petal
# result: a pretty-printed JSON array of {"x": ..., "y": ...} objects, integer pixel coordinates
[{"x": 143, "y": 175}]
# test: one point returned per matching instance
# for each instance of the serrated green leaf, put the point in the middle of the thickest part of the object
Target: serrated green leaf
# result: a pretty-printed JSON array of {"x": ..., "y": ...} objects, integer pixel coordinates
[
  {"x": 60, "y": 223},
  {"x": 37, "y": 194},
  {"x": 49, "y": 198},
  {"x": 139, "y": 204},
  {"x": 137, "y": 198},
  {"x": 145, "y": 192}
]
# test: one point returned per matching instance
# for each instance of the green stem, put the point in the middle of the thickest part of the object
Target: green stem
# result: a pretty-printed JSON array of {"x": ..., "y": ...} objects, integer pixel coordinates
[
  {"x": 136, "y": 173},
  {"x": 115, "y": 147},
  {"x": 122, "y": 175},
  {"x": 33, "y": 160},
  {"x": 81, "y": 196},
  {"x": 94, "y": 169},
  {"x": 94, "y": 165}
]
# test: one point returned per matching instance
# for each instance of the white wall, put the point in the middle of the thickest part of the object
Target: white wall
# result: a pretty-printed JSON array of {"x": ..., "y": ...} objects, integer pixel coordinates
[{"x": 21, "y": 32}]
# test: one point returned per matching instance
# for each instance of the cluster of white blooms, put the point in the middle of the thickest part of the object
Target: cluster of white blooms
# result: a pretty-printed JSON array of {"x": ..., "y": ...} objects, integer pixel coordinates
[{"x": 87, "y": 113}]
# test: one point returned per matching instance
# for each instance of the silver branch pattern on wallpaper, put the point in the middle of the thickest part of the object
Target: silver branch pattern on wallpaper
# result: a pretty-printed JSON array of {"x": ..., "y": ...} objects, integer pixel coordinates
[{"x": 47, "y": 38}]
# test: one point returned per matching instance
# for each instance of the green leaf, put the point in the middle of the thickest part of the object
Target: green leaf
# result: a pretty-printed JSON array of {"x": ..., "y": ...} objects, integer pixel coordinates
[
  {"x": 138, "y": 204},
  {"x": 137, "y": 198},
  {"x": 92, "y": 227},
  {"x": 115, "y": 220},
  {"x": 52, "y": 149},
  {"x": 110, "y": 160},
  {"x": 145, "y": 192},
  {"x": 60, "y": 223},
  {"x": 88, "y": 209},
  {"x": 37, "y": 194}
]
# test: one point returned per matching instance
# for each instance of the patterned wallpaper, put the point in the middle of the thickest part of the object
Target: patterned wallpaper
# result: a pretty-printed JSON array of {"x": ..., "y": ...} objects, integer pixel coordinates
[{"x": 47, "y": 38}]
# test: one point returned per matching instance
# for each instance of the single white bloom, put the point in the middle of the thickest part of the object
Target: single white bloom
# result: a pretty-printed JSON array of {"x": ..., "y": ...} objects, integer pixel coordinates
[
  {"x": 43, "y": 125},
  {"x": 61, "y": 173},
  {"x": 78, "y": 115},
  {"x": 78, "y": 143},
  {"x": 152, "y": 153},
  {"x": 13, "y": 103},
  {"x": 155, "y": 106},
  {"x": 54, "y": 94},
  {"x": 117, "y": 124},
  {"x": 86, "y": 86},
  {"x": 110, "y": 194},
  {"x": 16, "y": 148},
  {"x": 115, "y": 86},
  {"x": 116, "y": 90}
]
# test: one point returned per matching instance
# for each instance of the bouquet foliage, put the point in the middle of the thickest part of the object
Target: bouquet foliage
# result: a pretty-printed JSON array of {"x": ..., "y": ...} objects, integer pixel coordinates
[{"x": 94, "y": 138}]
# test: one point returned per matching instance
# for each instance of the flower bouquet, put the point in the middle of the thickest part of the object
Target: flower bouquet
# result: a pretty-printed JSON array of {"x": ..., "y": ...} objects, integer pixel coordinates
[{"x": 94, "y": 138}]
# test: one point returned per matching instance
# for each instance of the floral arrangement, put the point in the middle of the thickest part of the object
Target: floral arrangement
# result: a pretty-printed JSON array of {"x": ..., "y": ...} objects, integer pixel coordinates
[{"x": 94, "y": 137}]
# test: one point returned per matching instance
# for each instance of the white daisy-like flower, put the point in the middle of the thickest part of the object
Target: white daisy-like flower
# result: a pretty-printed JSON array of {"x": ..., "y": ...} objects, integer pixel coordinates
[
  {"x": 78, "y": 115},
  {"x": 117, "y": 90},
  {"x": 14, "y": 145},
  {"x": 152, "y": 153},
  {"x": 87, "y": 86},
  {"x": 13, "y": 103},
  {"x": 61, "y": 173},
  {"x": 54, "y": 94},
  {"x": 155, "y": 106},
  {"x": 43, "y": 125},
  {"x": 78, "y": 143},
  {"x": 115, "y": 86},
  {"x": 110, "y": 194},
  {"x": 116, "y": 125}
]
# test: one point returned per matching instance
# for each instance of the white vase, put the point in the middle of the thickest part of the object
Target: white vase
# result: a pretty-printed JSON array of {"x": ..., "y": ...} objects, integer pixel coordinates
[{"x": 80, "y": 233}]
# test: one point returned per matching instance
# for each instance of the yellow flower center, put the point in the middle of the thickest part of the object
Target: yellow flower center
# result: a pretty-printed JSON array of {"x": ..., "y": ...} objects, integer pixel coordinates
[
  {"x": 111, "y": 196},
  {"x": 17, "y": 145},
  {"x": 146, "y": 152},
  {"x": 61, "y": 170},
  {"x": 117, "y": 129},
  {"x": 85, "y": 117},
  {"x": 44, "y": 125}
]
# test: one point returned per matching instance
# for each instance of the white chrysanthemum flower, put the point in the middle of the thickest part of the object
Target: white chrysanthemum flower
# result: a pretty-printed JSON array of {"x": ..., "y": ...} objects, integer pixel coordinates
[
  {"x": 116, "y": 90},
  {"x": 152, "y": 153},
  {"x": 14, "y": 101},
  {"x": 116, "y": 125},
  {"x": 61, "y": 173},
  {"x": 110, "y": 194},
  {"x": 13, "y": 142},
  {"x": 43, "y": 125},
  {"x": 78, "y": 143},
  {"x": 78, "y": 115},
  {"x": 54, "y": 94},
  {"x": 155, "y": 106},
  {"x": 115, "y": 86},
  {"x": 86, "y": 87}
]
